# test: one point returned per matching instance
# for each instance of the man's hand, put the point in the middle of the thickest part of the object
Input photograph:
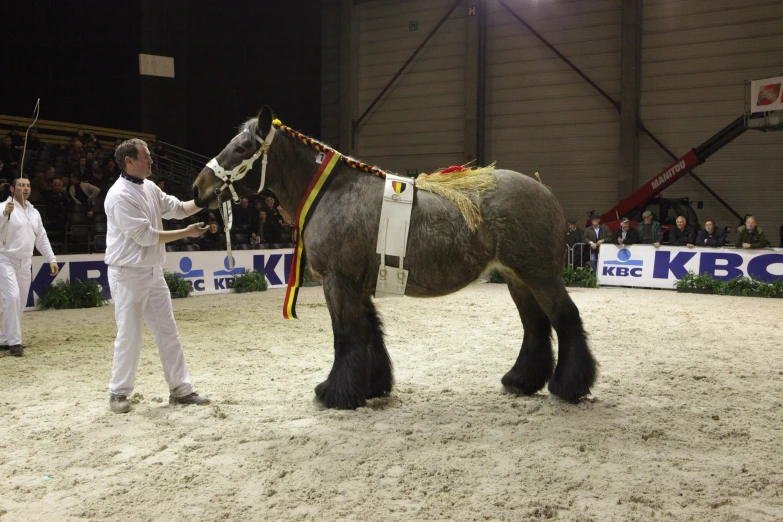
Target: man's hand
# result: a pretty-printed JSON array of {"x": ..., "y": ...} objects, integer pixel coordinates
[
  {"x": 9, "y": 207},
  {"x": 690, "y": 246},
  {"x": 196, "y": 230},
  {"x": 656, "y": 245},
  {"x": 601, "y": 242},
  {"x": 55, "y": 268},
  {"x": 745, "y": 245},
  {"x": 593, "y": 245}
]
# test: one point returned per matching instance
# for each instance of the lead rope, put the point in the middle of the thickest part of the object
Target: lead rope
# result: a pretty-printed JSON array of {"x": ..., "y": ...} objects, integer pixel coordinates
[{"x": 225, "y": 210}]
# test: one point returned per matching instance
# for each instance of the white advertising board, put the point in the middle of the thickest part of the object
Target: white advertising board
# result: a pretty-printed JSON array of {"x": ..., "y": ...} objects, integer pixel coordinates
[{"x": 766, "y": 95}]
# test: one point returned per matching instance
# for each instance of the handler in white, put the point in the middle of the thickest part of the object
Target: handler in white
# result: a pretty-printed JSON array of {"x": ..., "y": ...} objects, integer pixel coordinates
[
  {"x": 21, "y": 227},
  {"x": 135, "y": 207}
]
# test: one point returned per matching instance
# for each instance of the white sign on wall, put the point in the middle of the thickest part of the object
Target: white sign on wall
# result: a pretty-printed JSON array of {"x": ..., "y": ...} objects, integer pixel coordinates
[
  {"x": 207, "y": 272},
  {"x": 153, "y": 65},
  {"x": 650, "y": 267}
]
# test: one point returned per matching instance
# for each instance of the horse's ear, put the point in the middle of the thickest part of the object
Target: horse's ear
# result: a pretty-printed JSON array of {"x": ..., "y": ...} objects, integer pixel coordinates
[{"x": 265, "y": 121}]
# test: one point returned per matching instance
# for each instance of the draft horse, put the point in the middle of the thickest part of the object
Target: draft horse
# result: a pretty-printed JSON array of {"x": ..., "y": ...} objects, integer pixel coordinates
[{"x": 521, "y": 233}]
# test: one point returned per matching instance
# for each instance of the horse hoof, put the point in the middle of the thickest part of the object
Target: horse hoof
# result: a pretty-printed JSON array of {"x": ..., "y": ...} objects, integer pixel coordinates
[
  {"x": 328, "y": 397},
  {"x": 518, "y": 385},
  {"x": 568, "y": 392}
]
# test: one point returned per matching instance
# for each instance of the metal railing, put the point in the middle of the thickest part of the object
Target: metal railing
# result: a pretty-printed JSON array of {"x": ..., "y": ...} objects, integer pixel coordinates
[{"x": 181, "y": 166}]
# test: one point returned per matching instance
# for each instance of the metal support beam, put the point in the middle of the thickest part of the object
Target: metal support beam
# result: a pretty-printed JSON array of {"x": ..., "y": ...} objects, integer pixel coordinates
[
  {"x": 475, "y": 80},
  {"x": 630, "y": 92},
  {"x": 349, "y": 75}
]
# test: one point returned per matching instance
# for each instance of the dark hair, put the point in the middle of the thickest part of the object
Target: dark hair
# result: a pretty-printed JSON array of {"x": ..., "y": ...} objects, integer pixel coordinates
[
  {"x": 77, "y": 175},
  {"x": 129, "y": 149}
]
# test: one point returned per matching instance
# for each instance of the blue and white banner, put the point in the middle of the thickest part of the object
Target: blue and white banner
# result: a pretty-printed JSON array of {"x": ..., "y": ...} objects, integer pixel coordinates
[
  {"x": 207, "y": 272},
  {"x": 650, "y": 267}
]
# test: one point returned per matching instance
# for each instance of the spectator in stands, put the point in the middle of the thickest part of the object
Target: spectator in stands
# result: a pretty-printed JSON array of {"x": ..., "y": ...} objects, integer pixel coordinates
[
  {"x": 162, "y": 185},
  {"x": 58, "y": 205},
  {"x": 111, "y": 170},
  {"x": 244, "y": 220},
  {"x": 80, "y": 135},
  {"x": 710, "y": 235},
  {"x": 683, "y": 234},
  {"x": 595, "y": 236},
  {"x": 75, "y": 154},
  {"x": 9, "y": 156},
  {"x": 574, "y": 241},
  {"x": 649, "y": 232},
  {"x": 95, "y": 141},
  {"x": 83, "y": 193},
  {"x": 117, "y": 143},
  {"x": 625, "y": 234},
  {"x": 17, "y": 140},
  {"x": 212, "y": 240},
  {"x": 99, "y": 180},
  {"x": 277, "y": 214},
  {"x": 43, "y": 181},
  {"x": 34, "y": 144},
  {"x": 750, "y": 236},
  {"x": 82, "y": 169},
  {"x": 781, "y": 236}
]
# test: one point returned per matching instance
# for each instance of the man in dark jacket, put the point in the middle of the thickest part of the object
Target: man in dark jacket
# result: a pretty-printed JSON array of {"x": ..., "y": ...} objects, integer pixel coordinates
[
  {"x": 625, "y": 234},
  {"x": 710, "y": 235},
  {"x": 649, "y": 232},
  {"x": 575, "y": 242},
  {"x": 212, "y": 240},
  {"x": 750, "y": 235},
  {"x": 596, "y": 235},
  {"x": 683, "y": 234}
]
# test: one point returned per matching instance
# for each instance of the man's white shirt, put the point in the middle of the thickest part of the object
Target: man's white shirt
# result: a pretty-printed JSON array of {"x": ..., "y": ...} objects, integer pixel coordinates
[
  {"x": 22, "y": 232},
  {"x": 134, "y": 215}
]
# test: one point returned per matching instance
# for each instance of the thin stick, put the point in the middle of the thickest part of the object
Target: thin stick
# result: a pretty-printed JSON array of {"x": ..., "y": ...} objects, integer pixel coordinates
[{"x": 36, "y": 111}]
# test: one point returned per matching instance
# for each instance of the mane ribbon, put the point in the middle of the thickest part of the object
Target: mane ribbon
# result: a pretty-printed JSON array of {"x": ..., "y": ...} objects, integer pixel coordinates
[{"x": 307, "y": 205}]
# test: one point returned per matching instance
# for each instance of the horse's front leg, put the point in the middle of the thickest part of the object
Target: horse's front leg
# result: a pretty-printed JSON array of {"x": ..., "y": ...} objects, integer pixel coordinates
[{"x": 347, "y": 384}]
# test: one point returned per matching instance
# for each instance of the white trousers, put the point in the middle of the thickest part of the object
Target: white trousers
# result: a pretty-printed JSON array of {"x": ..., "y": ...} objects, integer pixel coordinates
[
  {"x": 15, "y": 277},
  {"x": 141, "y": 296}
]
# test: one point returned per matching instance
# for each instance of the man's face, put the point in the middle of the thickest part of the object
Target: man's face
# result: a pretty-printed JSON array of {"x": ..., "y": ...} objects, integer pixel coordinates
[
  {"x": 262, "y": 216},
  {"x": 681, "y": 222},
  {"x": 709, "y": 226},
  {"x": 270, "y": 202},
  {"x": 244, "y": 202},
  {"x": 7, "y": 141},
  {"x": 572, "y": 226},
  {"x": 595, "y": 222},
  {"x": 141, "y": 167},
  {"x": 21, "y": 189},
  {"x": 213, "y": 228},
  {"x": 82, "y": 162},
  {"x": 77, "y": 145},
  {"x": 648, "y": 220},
  {"x": 50, "y": 173},
  {"x": 57, "y": 185},
  {"x": 750, "y": 223},
  {"x": 625, "y": 225},
  {"x": 65, "y": 180}
]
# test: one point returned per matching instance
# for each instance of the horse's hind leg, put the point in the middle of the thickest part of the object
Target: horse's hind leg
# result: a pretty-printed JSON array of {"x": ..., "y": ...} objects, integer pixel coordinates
[
  {"x": 381, "y": 374},
  {"x": 576, "y": 369},
  {"x": 535, "y": 361},
  {"x": 347, "y": 384}
]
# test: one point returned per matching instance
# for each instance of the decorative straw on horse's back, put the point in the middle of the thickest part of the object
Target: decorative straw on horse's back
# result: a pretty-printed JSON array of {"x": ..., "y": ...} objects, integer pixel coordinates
[{"x": 462, "y": 186}]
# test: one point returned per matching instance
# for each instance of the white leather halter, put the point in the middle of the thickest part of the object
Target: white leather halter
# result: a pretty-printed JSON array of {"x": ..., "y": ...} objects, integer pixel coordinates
[{"x": 229, "y": 177}]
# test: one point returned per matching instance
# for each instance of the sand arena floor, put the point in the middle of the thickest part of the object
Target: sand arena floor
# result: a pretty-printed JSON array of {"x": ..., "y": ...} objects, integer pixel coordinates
[{"x": 684, "y": 422}]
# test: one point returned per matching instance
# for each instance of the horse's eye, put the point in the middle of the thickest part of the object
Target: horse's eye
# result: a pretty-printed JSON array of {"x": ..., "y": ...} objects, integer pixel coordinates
[{"x": 240, "y": 150}]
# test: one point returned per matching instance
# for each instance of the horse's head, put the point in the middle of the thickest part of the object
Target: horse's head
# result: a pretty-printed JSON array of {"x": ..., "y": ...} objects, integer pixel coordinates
[{"x": 237, "y": 170}]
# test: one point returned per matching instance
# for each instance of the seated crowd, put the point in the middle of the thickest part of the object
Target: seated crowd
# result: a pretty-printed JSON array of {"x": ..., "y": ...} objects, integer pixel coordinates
[
  {"x": 650, "y": 232},
  {"x": 69, "y": 184}
]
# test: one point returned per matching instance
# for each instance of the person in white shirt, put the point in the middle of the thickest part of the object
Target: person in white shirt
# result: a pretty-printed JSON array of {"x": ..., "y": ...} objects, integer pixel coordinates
[
  {"x": 21, "y": 228},
  {"x": 135, "y": 252}
]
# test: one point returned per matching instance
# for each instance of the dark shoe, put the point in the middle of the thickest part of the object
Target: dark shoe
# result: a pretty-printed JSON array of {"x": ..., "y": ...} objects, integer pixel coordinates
[
  {"x": 119, "y": 404},
  {"x": 4, "y": 347},
  {"x": 192, "y": 398},
  {"x": 17, "y": 350}
]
